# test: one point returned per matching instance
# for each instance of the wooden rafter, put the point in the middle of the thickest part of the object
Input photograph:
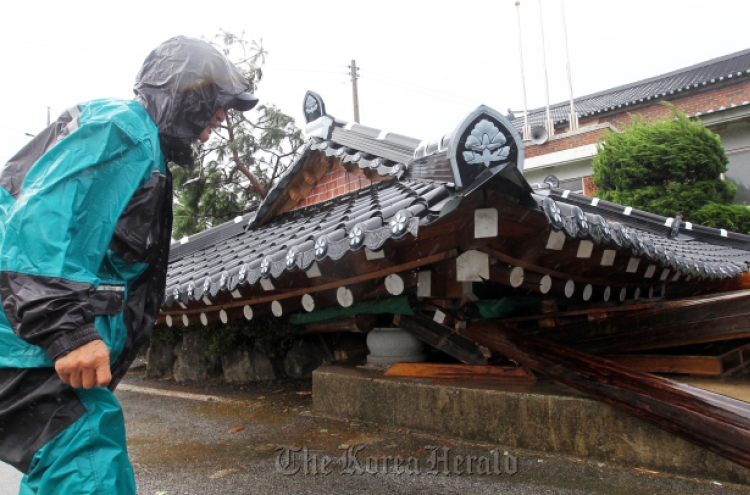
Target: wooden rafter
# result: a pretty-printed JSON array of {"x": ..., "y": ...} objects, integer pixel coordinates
[
  {"x": 712, "y": 421},
  {"x": 666, "y": 324},
  {"x": 317, "y": 288}
]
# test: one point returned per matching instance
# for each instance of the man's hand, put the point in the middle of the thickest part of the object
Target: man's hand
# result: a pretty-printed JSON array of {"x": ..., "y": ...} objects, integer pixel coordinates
[{"x": 87, "y": 366}]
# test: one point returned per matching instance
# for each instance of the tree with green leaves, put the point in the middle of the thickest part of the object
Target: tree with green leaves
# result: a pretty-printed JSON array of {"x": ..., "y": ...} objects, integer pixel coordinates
[
  {"x": 669, "y": 167},
  {"x": 243, "y": 158}
]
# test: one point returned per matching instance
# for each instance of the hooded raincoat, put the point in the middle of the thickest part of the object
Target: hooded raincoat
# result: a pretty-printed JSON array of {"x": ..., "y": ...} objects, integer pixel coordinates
[{"x": 85, "y": 227}]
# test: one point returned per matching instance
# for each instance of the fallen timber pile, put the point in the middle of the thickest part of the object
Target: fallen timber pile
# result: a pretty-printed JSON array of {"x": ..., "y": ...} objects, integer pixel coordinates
[
  {"x": 715, "y": 422},
  {"x": 632, "y": 334},
  {"x": 718, "y": 423},
  {"x": 651, "y": 325}
]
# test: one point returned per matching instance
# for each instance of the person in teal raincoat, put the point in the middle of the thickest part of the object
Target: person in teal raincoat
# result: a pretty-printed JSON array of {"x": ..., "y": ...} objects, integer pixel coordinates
[{"x": 85, "y": 227}]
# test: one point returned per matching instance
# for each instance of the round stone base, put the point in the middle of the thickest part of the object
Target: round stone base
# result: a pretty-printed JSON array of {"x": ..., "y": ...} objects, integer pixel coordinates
[{"x": 393, "y": 345}]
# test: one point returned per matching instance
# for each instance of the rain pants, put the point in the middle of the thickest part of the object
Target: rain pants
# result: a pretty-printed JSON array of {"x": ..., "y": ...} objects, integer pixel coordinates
[{"x": 85, "y": 227}]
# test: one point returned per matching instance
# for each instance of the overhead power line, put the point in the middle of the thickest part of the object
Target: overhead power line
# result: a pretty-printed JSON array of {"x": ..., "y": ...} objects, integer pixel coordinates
[
  {"x": 16, "y": 130},
  {"x": 299, "y": 69},
  {"x": 425, "y": 92},
  {"x": 416, "y": 87}
]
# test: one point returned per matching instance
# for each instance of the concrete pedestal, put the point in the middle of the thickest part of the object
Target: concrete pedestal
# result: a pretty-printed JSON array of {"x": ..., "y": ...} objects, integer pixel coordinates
[
  {"x": 542, "y": 417},
  {"x": 393, "y": 345}
]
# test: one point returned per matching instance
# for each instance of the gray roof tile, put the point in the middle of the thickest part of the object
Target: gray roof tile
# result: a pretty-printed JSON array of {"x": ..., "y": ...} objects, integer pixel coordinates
[
  {"x": 732, "y": 66},
  {"x": 243, "y": 252}
]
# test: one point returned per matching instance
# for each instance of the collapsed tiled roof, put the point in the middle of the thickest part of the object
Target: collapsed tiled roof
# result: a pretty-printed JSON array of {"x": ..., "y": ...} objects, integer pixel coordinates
[
  {"x": 735, "y": 65},
  {"x": 294, "y": 240},
  {"x": 221, "y": 258},
  {"x": 432, "y": 180},
  {"x": 679, "y": 247}
]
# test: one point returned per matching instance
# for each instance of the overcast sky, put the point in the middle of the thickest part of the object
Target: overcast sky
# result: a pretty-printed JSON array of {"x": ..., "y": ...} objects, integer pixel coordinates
[{"x": 424, "y": 64}]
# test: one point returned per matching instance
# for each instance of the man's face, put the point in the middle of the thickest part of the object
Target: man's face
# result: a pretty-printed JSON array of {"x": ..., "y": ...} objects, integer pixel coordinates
[{"x": 218, "y": 117}]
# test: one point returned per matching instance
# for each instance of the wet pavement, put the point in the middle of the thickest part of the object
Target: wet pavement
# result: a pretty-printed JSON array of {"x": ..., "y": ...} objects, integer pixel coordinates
[{"x": 263, "y": 439}]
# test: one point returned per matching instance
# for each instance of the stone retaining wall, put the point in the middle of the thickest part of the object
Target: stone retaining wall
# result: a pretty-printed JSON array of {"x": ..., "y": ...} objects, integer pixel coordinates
[{"x": 188, "y": 361}]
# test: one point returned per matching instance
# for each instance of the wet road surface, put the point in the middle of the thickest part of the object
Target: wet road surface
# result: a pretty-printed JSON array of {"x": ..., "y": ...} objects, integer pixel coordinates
[{"x": 225, "y": 440}]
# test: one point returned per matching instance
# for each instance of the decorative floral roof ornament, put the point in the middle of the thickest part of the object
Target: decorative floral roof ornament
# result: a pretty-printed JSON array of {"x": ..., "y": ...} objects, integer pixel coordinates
[
  {"x": 357, "y": 236},
  {"x": 313, "y": 107},
  {"x": 291, "y": 257},
  {"x": 485, "y": 144},
  {"x": 400, "y": 224},
  {"x": 321, "y": 247},
  {"x": 265, "y": 267},
  {"x": 310, "y": 104}
]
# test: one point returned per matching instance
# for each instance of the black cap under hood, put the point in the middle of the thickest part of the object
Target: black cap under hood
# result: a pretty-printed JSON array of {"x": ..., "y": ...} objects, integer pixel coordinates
[{"x": 182, "y": 84}]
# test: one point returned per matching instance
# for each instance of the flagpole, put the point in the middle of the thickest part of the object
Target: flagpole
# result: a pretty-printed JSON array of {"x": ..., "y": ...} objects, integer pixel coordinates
[
  {"x": 548, "y": 123},
  {"x": 526, "y": 131},
  {"x": 573, "y": 114}
]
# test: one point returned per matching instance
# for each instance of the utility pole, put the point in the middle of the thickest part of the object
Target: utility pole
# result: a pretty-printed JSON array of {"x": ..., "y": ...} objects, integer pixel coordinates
[{"x": 355, "y": 95}]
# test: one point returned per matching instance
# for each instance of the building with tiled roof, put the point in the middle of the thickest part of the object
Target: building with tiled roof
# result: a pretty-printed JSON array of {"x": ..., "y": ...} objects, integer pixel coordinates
[{"x": 717, "y": 91}]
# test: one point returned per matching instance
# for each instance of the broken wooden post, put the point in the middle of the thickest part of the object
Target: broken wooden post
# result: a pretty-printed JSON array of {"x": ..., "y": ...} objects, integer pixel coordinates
[
  {"x": 712, "y": 421},
  {"x": 718, "y": 359},
  {"x": 663, "y": 324},
  {"x": 441, "y": 337}
]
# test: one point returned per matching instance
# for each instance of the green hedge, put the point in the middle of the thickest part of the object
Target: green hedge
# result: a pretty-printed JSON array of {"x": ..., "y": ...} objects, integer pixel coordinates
[
  {"x": 730, "y": 217},
  {"x": 668, "y": 167}
]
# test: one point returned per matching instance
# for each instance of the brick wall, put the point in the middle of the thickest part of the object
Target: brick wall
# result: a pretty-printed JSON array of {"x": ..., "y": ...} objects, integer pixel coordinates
[
  {"x": 699, "y": 100},
  {"x": 335, "y": 183},
  {"x": 714, "y": 97},
  {"x": 564, "y": 143}
]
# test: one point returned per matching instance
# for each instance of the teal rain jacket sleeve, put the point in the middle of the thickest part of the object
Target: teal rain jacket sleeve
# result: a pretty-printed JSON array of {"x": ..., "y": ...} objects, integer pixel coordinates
[{"x": 59, "y": 220}]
